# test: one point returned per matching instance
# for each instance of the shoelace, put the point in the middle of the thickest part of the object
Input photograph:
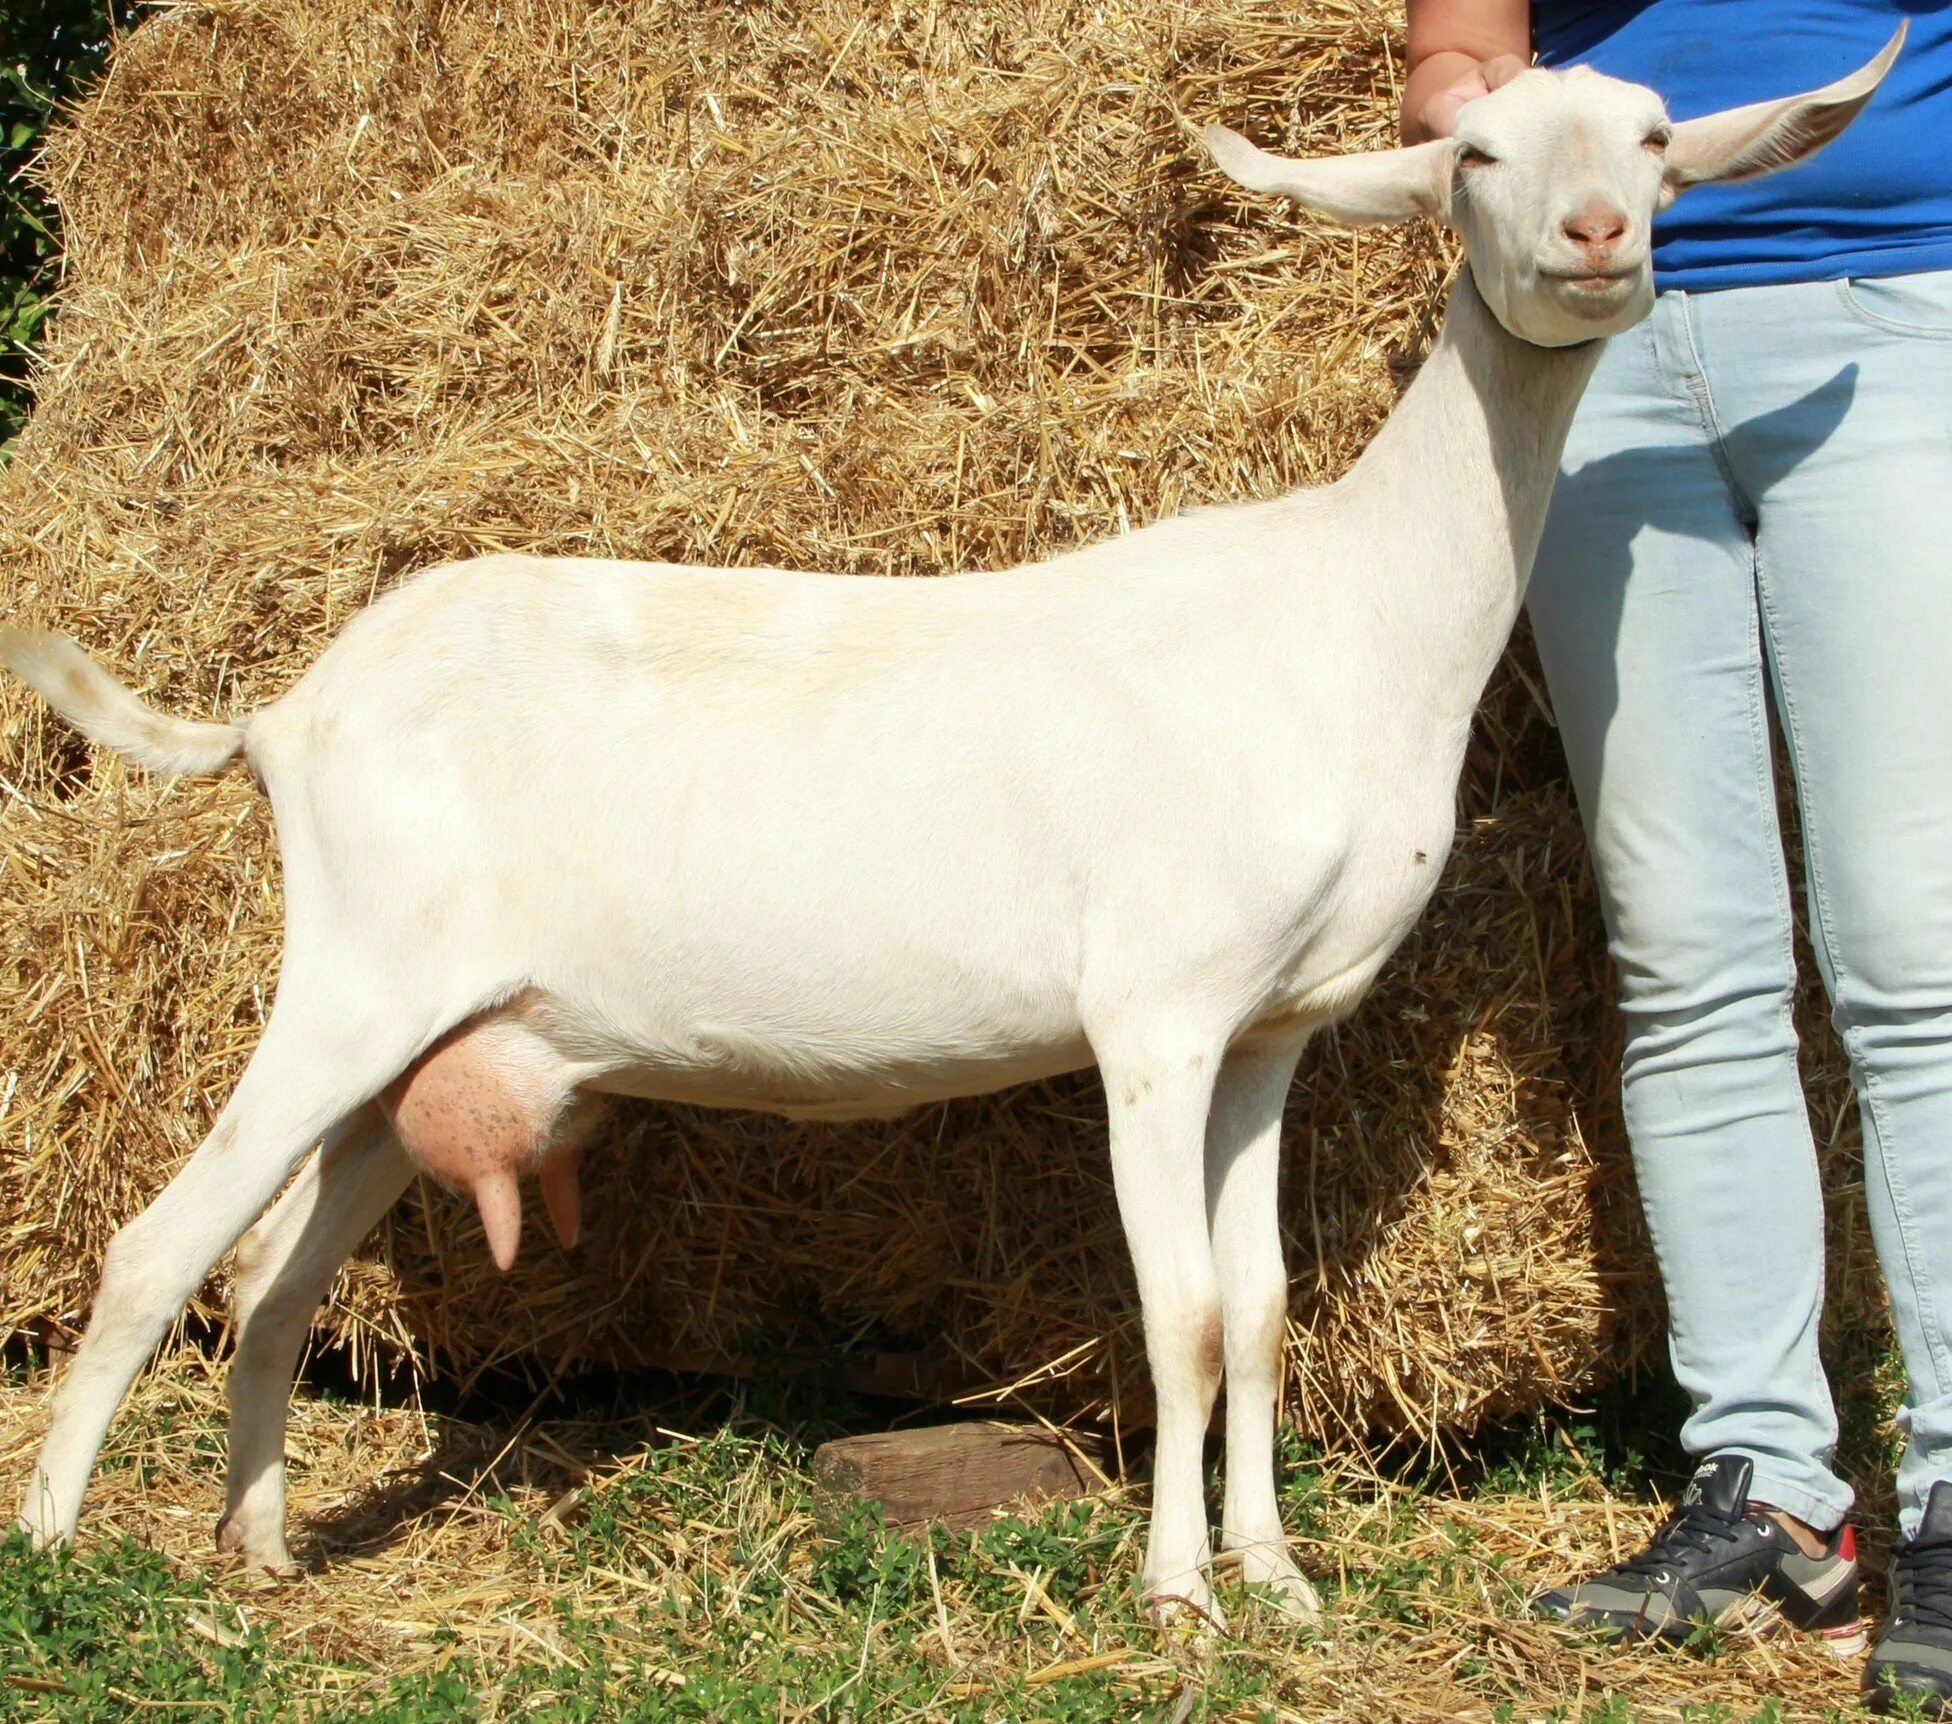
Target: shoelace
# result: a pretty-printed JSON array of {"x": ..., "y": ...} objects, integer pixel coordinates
[
  {"x": 1693, "y": 1528},
  {"x": 1921, "y": 1584}
]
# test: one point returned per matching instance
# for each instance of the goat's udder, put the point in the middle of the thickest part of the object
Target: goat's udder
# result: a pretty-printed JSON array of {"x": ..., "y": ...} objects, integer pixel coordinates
[{"x": 479, "y": 1109}]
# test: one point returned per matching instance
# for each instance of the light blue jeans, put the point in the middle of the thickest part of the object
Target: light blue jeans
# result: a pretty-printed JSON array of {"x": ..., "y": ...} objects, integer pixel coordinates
[{"x": 1756, "y": 510}]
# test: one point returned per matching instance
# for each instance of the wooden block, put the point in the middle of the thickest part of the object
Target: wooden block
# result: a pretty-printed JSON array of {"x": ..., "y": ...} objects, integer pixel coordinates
[{"x": 953, "y": 1475}]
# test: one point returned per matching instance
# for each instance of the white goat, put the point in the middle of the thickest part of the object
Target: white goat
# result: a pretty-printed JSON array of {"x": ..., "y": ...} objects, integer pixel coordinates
[{"x": 822, "y": 845}]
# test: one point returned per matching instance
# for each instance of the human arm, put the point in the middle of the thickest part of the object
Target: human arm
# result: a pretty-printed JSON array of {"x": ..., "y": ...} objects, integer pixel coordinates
[{"x": 1459, "y": 49}]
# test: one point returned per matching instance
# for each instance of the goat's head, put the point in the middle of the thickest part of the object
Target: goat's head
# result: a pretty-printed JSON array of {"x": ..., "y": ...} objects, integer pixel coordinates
[{"x": 1553, "y": 181}]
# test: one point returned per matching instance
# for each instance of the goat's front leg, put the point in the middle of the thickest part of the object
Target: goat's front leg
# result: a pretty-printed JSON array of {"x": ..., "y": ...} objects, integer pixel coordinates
[
  {"x": 1157, "y": 1090},
  {"x": 285, "y": 1266},
  {"x": 1243, "y": 1159}
]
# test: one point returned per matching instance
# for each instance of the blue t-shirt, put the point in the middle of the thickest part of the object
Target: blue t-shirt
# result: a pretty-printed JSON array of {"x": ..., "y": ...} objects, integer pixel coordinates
[{"x": 1878, "y": 201}]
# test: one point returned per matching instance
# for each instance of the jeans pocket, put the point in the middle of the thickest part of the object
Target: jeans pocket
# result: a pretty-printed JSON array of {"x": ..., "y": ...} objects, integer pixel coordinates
[{"x": 1916, "y": 305}]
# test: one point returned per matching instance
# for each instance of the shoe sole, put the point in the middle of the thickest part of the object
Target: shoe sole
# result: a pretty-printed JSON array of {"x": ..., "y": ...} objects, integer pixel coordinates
[
  {"x": 1758, "y": 1615},
  {"x": 1754, "y": 1614}
]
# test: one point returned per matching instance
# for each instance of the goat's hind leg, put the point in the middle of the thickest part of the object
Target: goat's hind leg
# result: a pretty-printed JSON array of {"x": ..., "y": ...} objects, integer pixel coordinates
[
  {"x": 322, "y": 1056},
  {"x": 285, "y": 1266}
]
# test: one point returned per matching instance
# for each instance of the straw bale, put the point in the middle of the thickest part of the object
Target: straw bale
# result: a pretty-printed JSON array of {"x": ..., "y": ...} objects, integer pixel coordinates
[{"x": 359, "y": 285}]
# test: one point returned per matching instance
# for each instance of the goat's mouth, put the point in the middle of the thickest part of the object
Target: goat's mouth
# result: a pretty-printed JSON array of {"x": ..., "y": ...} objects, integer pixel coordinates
[{"x": 1593, "y": 281}]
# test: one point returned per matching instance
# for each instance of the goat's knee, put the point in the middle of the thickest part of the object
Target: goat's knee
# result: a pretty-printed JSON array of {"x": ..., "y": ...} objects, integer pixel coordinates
[
  {"x": 1186, "y": 1348},
  {"x": 1256, "y": 1335},
  {"x": 254, "y": 1277},
  {"x": 142, "y": 1284},
  {"x": 1210, "y": 1350}
]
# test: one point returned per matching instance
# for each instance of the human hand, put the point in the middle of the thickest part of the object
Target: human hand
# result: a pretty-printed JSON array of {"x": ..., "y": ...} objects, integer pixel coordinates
[{"x": 1437, "y": 116}]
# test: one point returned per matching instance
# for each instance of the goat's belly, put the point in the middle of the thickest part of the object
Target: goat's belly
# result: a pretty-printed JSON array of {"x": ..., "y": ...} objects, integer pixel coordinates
[
  {"x": 871, "y": 1018},
  {"x": 495, "y": 1099},
  {"x": 839, "y": 1078}
]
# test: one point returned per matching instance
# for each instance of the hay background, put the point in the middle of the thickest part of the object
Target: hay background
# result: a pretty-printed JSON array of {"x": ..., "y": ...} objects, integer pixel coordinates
[{"x": 355, "y": 287}]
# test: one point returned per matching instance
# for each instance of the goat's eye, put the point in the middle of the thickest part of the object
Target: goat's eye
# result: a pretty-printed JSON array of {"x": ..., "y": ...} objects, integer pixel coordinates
[
  {"x": 1658, "y": 139},
  {"x": 1470, "y": 156}
]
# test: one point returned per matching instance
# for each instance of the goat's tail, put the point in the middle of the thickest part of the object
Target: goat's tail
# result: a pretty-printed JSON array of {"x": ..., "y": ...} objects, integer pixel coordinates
[{"x": 106, "y": 712}]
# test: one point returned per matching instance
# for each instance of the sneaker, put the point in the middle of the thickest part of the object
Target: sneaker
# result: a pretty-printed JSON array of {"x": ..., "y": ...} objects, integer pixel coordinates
[
  {"x": 1913, "y": 1657},
  {"x": 1717, "y": 1559}
]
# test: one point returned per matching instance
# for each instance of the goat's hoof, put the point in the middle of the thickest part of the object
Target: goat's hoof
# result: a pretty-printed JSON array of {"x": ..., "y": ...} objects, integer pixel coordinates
[
  {"x": 1299, "y": 1601},
  {"x": 41, "y": 1536},
  {"x": 268, "y": 1554},
  {"x": 1186, "y": 1606},
  {"x": 1269, "y": 1567}
]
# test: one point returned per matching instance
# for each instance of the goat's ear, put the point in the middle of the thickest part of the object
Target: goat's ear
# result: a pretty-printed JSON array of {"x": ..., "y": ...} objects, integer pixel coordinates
[
  {"x": 1743, "y": 143},
  {"x": 1358, "y": 190}
]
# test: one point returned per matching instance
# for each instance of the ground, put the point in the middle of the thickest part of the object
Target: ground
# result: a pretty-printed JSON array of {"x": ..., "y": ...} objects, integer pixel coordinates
[{"x": 655, "y": 1551}]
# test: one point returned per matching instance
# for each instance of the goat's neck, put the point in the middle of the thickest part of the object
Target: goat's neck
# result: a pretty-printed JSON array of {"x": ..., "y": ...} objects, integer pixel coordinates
[{"x": 1459, "y": 478}]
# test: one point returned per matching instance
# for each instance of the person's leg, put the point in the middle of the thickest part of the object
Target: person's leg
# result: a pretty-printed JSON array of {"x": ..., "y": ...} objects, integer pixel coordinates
[
  {"x": 1839, "y": 406},
  {"x": 1644, "y": 607}
]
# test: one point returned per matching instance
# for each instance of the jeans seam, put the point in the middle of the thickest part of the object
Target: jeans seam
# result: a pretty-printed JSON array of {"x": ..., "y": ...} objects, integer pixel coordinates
[
  {"x": 1765, "y": 776},
  {"x": 1823, "y": 927},
  {"x": 1711, "y": 424},
  {"x": 1657, "y": 371},
  {"x": 1856, "y": 309},
  {"x": 1785, "y": 909}
]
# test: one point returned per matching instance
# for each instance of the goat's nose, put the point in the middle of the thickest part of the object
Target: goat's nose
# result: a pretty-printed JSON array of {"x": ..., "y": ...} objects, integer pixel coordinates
[{"x": 1594, "y": 226}]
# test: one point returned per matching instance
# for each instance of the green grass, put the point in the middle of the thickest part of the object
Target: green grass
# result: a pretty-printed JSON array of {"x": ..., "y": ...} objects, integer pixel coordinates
[
  {"x": 835, "y": 1623},
  {"x": 594, "y": 1567},
  {"x": 50, "y": 51}
]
